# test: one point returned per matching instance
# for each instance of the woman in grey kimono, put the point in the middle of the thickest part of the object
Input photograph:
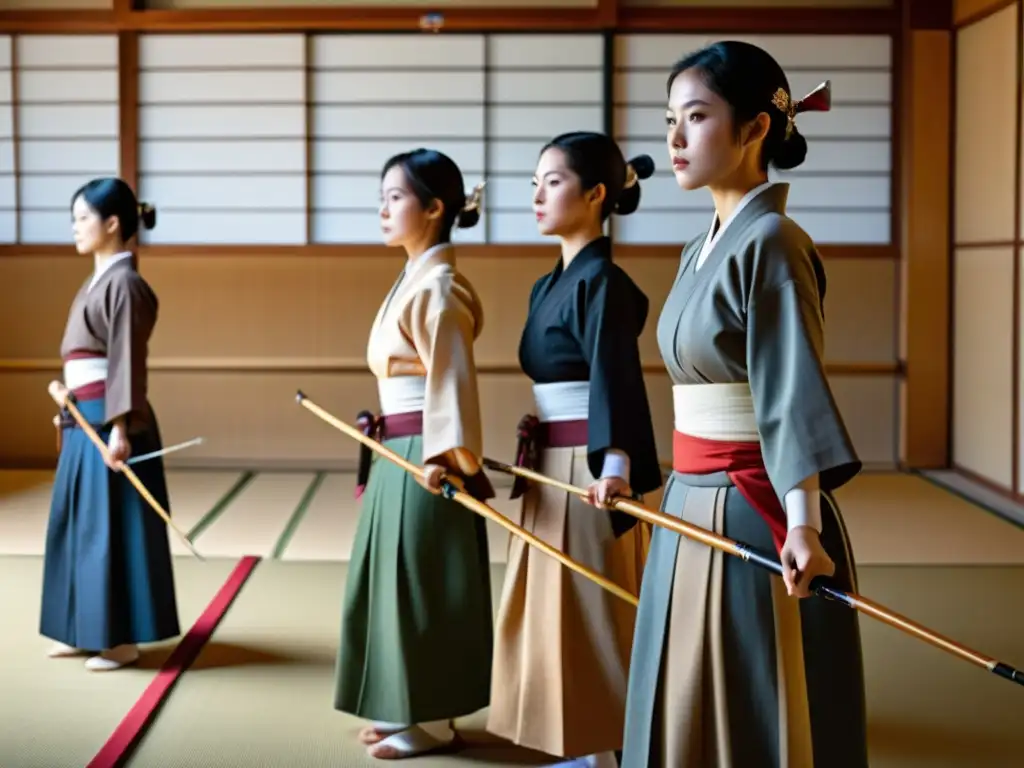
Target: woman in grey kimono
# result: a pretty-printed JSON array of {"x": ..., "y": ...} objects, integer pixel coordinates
[
  {"x": 107, "y": 577},
  {"x": 728, "y": 669}
]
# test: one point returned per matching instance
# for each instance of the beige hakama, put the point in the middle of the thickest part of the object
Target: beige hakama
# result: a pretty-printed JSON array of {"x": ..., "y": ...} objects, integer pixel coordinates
[{"x": 561, "y": 657}]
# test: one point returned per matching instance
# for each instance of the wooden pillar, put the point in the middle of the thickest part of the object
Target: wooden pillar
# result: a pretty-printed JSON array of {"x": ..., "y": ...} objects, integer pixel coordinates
[{"x": 925, "y": 232}]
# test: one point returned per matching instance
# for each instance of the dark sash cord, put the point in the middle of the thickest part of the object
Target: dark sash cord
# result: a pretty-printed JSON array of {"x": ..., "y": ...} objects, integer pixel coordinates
[
  {"x": 397, "y": 425},
  {"x": 534, "y": 435}
]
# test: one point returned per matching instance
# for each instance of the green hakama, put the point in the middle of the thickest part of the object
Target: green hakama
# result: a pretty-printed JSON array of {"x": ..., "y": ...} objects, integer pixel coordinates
[
  {"x": 417, "y": 621},
  {"x": 416, "y": 631}
]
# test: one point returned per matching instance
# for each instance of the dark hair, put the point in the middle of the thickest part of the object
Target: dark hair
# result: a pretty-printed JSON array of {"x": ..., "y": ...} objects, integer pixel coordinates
[
  {"x": 435, "y": 176},
  {"x": 747, "y": 77},
  {"x": 113, "y": 197},
  {"x": 597, "y": 159}
]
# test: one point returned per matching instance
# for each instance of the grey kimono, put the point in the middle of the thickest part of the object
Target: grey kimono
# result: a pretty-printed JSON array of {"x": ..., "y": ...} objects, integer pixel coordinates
[{"x": 727, "y": 670}]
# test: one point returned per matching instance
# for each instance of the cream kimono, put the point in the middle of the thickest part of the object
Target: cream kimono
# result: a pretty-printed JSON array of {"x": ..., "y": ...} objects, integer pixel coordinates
[{"x": 416, "y": 631}]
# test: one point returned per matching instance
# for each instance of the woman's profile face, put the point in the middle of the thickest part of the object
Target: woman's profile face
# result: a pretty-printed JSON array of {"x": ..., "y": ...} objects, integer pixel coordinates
[
  {"x": 558, "y": 201},
  {"x": 402, "y": 219},
  {"x": 701, "y": 141},
  {"x": 91, "y": 233}
]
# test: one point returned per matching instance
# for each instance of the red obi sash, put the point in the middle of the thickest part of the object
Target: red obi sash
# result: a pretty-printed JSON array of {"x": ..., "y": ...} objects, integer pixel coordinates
[
  {"x": 94, "y": 390},
  {"x": 744, "y": 464}
]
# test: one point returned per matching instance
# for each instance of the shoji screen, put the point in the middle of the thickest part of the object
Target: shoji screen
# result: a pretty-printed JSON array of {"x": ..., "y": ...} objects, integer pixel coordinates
[
  {"x": 985, "y": 225},
  {"x": 8, "y": 195},
  {"x": 538, "y": 86},
  {"x": 222, "y": 126},
  {"x": 841, "y": 194},
  {"x": 67, "y": 126},
  {"x": 377, "y": 95}
]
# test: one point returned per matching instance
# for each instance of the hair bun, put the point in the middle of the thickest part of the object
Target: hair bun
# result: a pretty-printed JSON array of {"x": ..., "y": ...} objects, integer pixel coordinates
[
  {"x": 147, "y": 215},
  {"x": 643, "y": 166}
]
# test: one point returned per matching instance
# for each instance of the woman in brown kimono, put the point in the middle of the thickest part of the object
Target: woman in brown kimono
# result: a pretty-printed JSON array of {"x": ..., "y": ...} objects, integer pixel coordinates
[
  {"x": 562, "y": 650},
  {"x": 728, "y": 669},
  {"x": 107, "y": 578}
]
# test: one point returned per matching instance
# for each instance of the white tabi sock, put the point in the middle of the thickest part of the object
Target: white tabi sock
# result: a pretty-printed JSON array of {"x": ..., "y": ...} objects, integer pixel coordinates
[
  {"x": 62, "y": 650},
  {"x": 113, "y": 658},
  {"x": 415, "y": 740}
]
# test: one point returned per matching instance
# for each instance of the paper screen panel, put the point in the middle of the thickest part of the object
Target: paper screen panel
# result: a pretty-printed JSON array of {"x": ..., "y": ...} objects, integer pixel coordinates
[
  {"x": 538, "y": 86},
  {"x": 8, "y": 180},
  {"x": 222, "y": 126},
  {"x": 67, "y": 126},
  {"x": 374, "y": 96}
]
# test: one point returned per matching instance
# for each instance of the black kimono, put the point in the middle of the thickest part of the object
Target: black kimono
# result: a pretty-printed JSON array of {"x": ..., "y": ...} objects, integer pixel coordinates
[{"x": 580, "y": 347}]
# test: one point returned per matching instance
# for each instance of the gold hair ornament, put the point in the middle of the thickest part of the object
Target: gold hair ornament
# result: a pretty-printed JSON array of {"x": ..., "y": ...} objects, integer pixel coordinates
[
  {"x": 631, "y": 178},
  {"x": 474, "y": 199},
  {"x": 145, "y": 208},
  {"x": 818, "y": 100}
]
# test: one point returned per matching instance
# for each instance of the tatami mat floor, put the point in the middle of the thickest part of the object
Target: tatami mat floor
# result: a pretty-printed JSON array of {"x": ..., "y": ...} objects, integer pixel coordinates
[{"x": 261, "y": 691}]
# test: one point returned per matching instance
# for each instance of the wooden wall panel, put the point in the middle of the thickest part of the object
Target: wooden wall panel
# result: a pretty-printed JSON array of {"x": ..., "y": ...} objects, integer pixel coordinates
[
  {"x": 986, "y": 231},
  {"x": 238, "y": 335},
  {"x": 250, "y": 419},
  {"x": 986, "y": 130},
  {"x": 925, "y": 266},
  {"x": 983, "y": 341}
]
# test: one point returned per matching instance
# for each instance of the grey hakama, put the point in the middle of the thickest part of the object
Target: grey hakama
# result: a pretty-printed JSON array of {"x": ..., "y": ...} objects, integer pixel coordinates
[{"x": 728, "y": 671}]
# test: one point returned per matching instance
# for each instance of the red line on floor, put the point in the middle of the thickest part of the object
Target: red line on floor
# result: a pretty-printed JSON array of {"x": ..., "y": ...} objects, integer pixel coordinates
[{"x": 125, "y": 736}]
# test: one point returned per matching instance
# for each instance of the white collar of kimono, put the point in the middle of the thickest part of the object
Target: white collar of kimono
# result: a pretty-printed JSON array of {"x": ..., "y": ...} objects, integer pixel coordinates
[
  {"x": 422, "y": 259},
  {"x": 712, "y": 238},
  {"x": 117, "y": 258}
]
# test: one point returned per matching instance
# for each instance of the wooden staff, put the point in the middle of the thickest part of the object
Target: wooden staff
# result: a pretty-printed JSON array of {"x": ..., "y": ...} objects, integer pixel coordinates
[
  {"x": 820, "y": 586},
  {"x": 65, "y": 399},
  {"x": 450, "y": 491}
]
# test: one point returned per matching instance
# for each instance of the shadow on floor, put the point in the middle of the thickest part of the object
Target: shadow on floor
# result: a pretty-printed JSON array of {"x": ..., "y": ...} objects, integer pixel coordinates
[{"x": 217, "y": 655}]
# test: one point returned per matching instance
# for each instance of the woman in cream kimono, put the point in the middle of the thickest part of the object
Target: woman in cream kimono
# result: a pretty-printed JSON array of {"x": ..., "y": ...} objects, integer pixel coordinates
[
  {"x": 416, "y": 633},
  {"x": 730, "y": 669},
  {"x": 562, "y": 653}
]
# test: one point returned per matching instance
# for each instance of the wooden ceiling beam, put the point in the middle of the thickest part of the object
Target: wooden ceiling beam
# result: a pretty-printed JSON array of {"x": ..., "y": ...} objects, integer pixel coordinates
[{"x": 606, "y": 15}]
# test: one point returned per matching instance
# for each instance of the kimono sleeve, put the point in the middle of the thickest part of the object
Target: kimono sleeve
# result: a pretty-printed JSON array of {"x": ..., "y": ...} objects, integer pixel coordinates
[
  {"x": 442, "y": 329},
  {"x": 619, "y": 412},
  {"x": 802, "y": 432},
  {"x": 130, "y": 311}
]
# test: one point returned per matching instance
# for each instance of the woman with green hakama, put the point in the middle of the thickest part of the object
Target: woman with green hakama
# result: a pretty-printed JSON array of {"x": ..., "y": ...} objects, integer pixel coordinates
[{"x": 416, "y": 633}]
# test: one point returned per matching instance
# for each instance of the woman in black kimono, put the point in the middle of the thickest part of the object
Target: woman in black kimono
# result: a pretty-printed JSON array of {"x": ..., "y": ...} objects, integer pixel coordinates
[
  {"x": 562, "y": 650},
  {"x": 107, "y": 577}
]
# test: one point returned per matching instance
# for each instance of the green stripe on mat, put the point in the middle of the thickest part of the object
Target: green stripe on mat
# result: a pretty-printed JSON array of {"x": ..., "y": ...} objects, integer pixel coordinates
[
  {"x": 297, "y": 516},
  {"x": 218, "y": 509}
]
